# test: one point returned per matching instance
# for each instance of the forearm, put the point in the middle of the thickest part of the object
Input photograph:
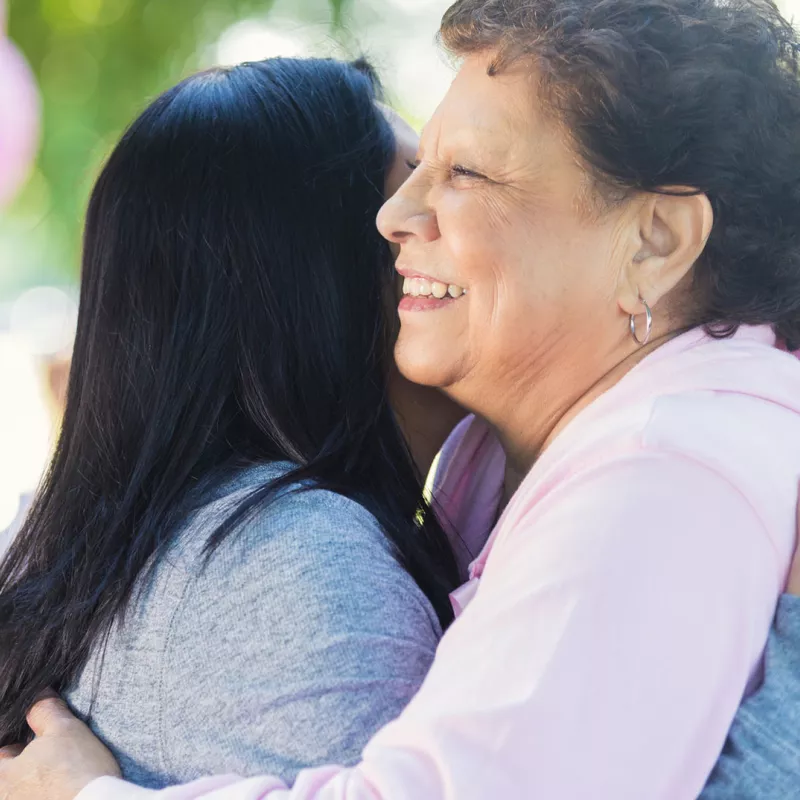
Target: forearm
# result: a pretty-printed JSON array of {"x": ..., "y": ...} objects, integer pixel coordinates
[{"x": 326, "y": 783}]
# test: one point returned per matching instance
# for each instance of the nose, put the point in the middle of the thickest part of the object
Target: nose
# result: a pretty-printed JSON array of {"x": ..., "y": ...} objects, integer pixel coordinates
[{"x": 406, "y": 215}]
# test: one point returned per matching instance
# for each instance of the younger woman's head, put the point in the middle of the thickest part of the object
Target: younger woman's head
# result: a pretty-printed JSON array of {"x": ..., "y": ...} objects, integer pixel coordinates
[{"x": 232, "y": 312}]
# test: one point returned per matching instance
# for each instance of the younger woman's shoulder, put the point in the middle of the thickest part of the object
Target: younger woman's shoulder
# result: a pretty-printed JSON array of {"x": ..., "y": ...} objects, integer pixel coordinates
[
  {"x": 297, "y": 521},
  {"x": 309, "y": 550}
]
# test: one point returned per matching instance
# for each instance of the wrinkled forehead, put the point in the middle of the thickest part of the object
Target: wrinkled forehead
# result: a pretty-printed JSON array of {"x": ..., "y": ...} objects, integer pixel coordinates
[{"x": 498, "y": 113}]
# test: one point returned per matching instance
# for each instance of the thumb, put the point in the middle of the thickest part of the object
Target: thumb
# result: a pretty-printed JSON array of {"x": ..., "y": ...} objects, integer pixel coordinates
[{"x": 49, "y": 716}]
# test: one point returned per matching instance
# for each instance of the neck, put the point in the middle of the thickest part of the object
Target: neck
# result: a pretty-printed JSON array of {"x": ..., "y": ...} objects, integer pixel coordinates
[
  {"x": 426, "y": 417},
  {"x": 533, "y": 414}
]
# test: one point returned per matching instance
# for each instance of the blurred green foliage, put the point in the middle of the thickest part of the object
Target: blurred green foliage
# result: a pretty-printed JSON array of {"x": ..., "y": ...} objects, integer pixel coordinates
[{"x": 98, "y": 62}]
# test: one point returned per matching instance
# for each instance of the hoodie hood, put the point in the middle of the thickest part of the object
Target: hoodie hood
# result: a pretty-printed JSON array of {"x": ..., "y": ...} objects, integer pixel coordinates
[{"x": 717, "y": 401}]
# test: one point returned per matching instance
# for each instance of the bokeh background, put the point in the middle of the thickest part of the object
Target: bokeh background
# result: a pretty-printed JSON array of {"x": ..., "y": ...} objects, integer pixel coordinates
[{"x": 73, "y": 73}]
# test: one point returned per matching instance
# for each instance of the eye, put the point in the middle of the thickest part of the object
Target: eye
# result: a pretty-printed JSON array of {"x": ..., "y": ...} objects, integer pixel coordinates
[
  {"x": 412, "y": 165},
  {"x": 457, "y": 171}
]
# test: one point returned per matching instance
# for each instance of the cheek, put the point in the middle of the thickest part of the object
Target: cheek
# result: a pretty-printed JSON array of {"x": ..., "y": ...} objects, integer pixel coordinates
[
  {"x": 537, "y": 283},
  {"x": 467, "y": 231},
  {"x": 495, "y": 254}
]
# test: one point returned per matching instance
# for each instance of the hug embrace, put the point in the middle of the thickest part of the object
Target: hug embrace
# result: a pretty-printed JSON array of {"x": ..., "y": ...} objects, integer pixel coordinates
[{"x": 576, "y": 314}]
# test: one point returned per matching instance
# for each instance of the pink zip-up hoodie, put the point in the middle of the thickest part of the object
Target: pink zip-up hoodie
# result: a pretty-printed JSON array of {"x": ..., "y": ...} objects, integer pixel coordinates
[{"x": 618, "y": 613}]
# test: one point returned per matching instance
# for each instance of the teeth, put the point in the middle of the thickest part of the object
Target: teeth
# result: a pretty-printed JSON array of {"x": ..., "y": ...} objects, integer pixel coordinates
[{"x": 422, "y": 287}]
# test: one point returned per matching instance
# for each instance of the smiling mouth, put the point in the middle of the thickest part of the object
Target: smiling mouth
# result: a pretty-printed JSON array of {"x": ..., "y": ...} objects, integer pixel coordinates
[{"x": 422, "y": 287}]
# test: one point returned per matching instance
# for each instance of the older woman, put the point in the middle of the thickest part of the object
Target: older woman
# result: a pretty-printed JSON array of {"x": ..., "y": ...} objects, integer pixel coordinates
[{"x": 602, "y": 261}]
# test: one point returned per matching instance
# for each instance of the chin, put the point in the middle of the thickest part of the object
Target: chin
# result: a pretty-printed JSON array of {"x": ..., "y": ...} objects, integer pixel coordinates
[{"x": 421, "y": 366}]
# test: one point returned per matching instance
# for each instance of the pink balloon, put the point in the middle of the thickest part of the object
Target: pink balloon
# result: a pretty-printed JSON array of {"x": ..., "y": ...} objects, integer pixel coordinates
[{"x": 20, "y": 114}]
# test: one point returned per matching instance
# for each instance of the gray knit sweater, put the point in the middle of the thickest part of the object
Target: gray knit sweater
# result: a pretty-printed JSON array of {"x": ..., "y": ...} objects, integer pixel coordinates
[{"x": 300, "y": 638}]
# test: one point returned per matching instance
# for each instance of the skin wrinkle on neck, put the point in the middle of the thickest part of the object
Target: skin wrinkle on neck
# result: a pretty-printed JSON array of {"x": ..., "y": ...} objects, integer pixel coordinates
[{"x": 523, "y": 449}]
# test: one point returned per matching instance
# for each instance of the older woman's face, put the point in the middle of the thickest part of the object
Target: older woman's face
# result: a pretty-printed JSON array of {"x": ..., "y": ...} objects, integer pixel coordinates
[{"x": 498, "y": 207}]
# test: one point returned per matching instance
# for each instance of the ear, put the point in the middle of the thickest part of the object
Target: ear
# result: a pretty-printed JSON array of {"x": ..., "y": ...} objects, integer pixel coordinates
[{"x": 672, "y": 233}]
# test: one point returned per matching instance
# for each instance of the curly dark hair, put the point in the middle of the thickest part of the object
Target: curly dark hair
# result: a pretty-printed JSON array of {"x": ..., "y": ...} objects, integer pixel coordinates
[{"x": 676, "y": 93}]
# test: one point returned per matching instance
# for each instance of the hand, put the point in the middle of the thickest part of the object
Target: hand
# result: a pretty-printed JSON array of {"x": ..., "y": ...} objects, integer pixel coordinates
[{"x": 60, "y": 762}]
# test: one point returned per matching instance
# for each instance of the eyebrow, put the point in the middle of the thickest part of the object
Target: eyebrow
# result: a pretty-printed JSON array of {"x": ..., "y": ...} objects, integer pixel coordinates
[{"x": 481, "y": 148}]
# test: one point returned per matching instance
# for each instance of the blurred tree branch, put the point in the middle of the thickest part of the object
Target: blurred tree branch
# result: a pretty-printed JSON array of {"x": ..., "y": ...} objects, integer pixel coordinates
[{"x": 98, "y": 62}]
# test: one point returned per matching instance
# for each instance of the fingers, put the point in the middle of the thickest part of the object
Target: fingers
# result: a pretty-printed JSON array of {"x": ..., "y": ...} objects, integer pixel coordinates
[
  {"x": 11, "y": 751},
  {"x": 49, "y": 716}
]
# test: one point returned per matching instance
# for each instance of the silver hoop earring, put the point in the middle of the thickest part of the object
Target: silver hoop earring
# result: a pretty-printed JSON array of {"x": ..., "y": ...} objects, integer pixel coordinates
[{"x": 648, "y": 328}]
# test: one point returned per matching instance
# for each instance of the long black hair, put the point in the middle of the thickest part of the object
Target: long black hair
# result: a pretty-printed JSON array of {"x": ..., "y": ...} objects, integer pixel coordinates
[{"x": 232, "y": 312}]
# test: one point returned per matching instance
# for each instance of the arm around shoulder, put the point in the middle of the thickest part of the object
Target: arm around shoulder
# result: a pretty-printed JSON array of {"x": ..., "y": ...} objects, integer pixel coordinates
[{"x": 604, "y": 654}]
